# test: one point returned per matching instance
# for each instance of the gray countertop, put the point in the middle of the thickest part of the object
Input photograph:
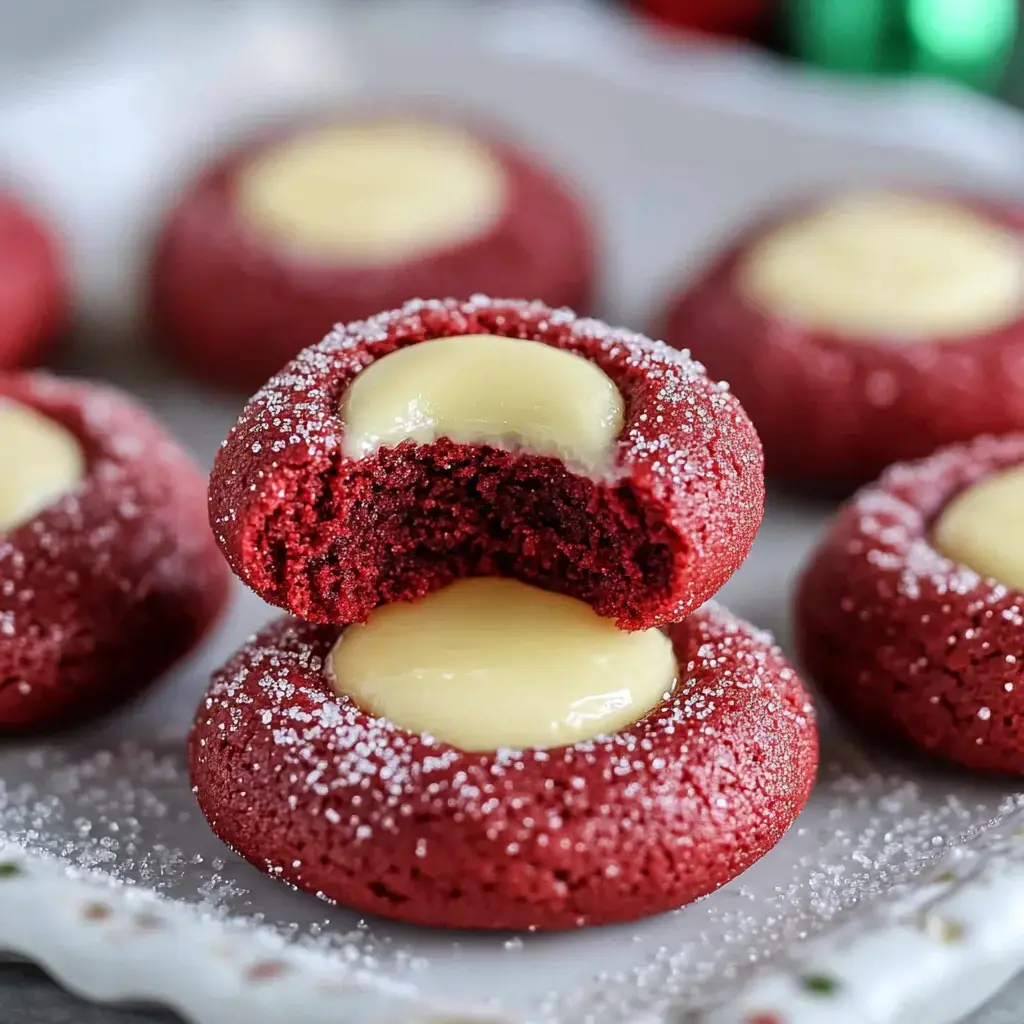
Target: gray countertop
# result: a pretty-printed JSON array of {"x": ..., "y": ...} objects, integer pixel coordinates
[{"x": 27, "y": 996}]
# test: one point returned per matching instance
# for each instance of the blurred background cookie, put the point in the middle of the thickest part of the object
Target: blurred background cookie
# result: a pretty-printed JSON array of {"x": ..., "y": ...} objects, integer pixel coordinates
[
  {"x": 865, "y": 328},
  {"x": 322, "y": 224},
  {"x": 33, "y": 288}
]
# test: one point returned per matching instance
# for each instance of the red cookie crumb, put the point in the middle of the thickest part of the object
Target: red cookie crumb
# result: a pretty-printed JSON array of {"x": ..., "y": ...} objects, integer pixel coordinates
[
  {"x": 33, "y": 290},
  {"x": 833, "y": 412},
  {"x": 111, "y": 584},
  {"x": 326, "y": 797},
  {"x": 906, "y": 643},
  {"x": 329, "y": 538},
  {"x": 234, "y": 309}
]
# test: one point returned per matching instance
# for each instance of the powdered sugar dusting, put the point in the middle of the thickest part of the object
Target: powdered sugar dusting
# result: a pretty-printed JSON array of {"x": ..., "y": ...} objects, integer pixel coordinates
[
  {"x": 906, "y": 640},
  {"x": 128, "y": 542},
  {"x": 872, "y": 827},
  {"x": 291, "y": 404},
  {"x": 894, "y": 520},
  {"x": 682, "y": 513},
  {"x": 362, "y": 746}
]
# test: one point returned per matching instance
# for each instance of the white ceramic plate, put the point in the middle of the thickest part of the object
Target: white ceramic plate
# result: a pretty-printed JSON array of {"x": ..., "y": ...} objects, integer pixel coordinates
[{"x": 896, "y": 898}]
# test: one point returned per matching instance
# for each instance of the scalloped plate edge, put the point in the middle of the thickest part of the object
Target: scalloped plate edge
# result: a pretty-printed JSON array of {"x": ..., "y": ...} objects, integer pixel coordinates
[{"x": 112, "y": 942}]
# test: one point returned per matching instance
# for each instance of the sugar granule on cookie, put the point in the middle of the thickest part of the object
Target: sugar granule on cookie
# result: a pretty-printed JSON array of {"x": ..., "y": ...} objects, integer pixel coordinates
[{"x": 909, "y": 613}]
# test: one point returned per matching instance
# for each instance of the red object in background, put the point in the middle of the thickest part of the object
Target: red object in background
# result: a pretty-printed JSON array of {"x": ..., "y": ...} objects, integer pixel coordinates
[
  {"x": 721, "y": 17},
  {"x": 33, "y": 288}
]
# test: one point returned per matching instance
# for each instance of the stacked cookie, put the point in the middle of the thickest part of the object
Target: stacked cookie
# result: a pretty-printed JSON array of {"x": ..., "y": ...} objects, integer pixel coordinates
[{"x": 500, "y": 703}]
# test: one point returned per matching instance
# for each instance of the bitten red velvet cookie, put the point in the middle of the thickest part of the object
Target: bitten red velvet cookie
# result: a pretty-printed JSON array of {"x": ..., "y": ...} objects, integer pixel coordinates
[
  {"x": 680, "y": 795},
  {"x": 285, "y": 237},
  {"x": 108, "y": 571},
  {"x": 33, "y": 290},
  {"x": 488, "y": 438},
  {"x": 911, "y": 610},
  {"x": 865, "y": 329}
]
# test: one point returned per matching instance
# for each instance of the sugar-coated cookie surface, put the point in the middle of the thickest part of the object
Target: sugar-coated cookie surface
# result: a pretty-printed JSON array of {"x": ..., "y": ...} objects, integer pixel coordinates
[
  {"x": 323, "y": 223},
  {"x": 318, "y": 793},
  {"x": 905, "y": 636},
  {"x": 33, "y": 289},
  {"x": 864, "y": 329},
  {"x": 108, "y": 571},
  {"x": 330, "y": 536},
  {"x": 486, "y": 389}
]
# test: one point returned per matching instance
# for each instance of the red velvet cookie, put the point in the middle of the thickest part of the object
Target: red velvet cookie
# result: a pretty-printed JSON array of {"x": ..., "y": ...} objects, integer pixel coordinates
[
  {"x": 283, "y": 238},
  {"x": 318, "y": 793},
  {"x": 33, "y": 291},
  {"x": 910, "y": 643},
  {"x": 904, "y": 333},
  {"x": 108, "y": 571},
  {"x": 329, "y": 535}
]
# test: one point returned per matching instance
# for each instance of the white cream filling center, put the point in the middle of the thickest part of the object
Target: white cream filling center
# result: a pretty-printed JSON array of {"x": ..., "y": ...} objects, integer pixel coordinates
[
  {"x": 487, "y": 389},
  {"x": 373, "y": 194},
  {"x": 486, "y": 664},
  {"x": 40, "y": 460},
  {"x": 889, "y": 267}
]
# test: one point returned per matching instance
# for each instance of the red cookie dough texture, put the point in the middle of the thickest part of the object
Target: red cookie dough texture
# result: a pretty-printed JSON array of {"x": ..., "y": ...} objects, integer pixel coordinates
[
  {"x": 329, "y": 537},
  {"x": 308, "y": 787},
  {"x": 907, "y": 644},
  {"x": 113, "y": 582},
  {"x": 33, "y": 290},
  {"x": 234, "y": 307},
  {"x": 833, "y": 411}
]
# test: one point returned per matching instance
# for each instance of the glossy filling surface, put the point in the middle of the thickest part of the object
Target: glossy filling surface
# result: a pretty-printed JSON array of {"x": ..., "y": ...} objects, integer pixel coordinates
[
  {"x": 505, "y": 392},
  {"x": 374, "y": 193},
  {"x": 40, "y": 461},
  {"x": 486, "y": 664},
  {"x": 889, "y": 266},
  {"x": 983, "y": 528}
]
